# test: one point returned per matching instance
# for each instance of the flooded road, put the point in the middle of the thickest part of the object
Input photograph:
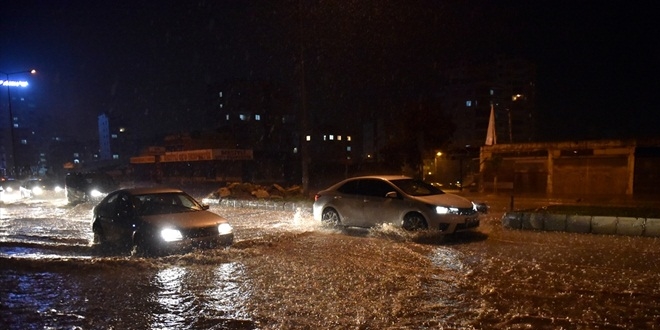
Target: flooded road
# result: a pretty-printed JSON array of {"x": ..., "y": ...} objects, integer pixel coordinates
[{"x": 287, "y": 272}]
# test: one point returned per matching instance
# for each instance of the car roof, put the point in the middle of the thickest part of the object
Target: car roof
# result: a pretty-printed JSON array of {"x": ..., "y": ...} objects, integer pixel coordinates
[
  {"x": 387, "y": 177},
  {"x": 151, "y": 190},
  {"x": 384, "y": 177}
]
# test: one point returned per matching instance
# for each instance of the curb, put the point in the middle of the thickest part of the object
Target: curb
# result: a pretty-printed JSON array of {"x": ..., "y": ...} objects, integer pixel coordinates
[{"x": 604, "y": 225}]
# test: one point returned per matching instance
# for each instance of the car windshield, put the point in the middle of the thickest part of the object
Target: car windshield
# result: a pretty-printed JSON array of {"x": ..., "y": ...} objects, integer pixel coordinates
[
  {"x": 165, "y": 203},
  {"x": 416, "y": 187}
]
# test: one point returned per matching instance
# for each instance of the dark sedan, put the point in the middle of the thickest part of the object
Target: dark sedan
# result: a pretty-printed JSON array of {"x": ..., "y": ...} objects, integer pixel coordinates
[{"x": 157, "y": 220}]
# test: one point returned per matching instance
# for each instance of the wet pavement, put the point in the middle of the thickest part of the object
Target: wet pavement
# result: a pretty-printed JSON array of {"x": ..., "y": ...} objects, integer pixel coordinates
[{"x": 286, "y": 271}]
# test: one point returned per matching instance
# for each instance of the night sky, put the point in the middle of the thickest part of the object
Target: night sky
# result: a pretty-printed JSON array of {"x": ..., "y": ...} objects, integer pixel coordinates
[{"x": 151, "y": 62}]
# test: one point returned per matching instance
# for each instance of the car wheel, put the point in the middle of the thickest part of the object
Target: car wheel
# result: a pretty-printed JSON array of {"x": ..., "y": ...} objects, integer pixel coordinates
[
  {"x": 330, "y": 217},
  {"x": 141, "y": 247},
  {"x": 99, "y": 238},
  {"x": 414, "y": 221}
]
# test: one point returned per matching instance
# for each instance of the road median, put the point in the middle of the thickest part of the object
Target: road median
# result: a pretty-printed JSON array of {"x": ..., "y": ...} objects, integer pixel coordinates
[{"x": 581, "y": 223}]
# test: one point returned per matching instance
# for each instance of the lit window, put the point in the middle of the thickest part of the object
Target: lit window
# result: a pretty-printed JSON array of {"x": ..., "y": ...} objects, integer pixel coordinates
[
  {"x": 325, "y": 137},
  {"x": 308, "y": 138},
  {"x": 76, "y": 155},
  {"x": 15, "y": 125},
  {"x": 338, "y": 137},
  {"x": 122, "y": 129},
  {"x": 221, "y": 105},
  {"x": 468, "y": 103},
  {"x": 76, "y": 161},
  {"x": 23, "y": 141},
  {"x": 243, "y": 117},
  {"x": 295, "y": 150},
  {"x": 348, "y": 138},
  {"x": 257, "y": 117},
  {"x": 115, "y": 156},
  {"x": 227, "y": 117},
  {"x": 492, "y": 92},
  {"x": 332, "y": 137},
  {"x": 348, "y": 148},
  {"x": 219, "y": 94},
  {"x": 114, "y": 136}
]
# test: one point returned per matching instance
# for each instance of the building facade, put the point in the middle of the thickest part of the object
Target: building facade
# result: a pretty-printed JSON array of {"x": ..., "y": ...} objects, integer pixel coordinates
[{"x": 575, "y": 168}]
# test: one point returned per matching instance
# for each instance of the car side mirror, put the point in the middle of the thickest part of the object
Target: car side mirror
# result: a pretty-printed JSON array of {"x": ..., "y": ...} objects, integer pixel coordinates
[
  {"x": 205, "y": 206},
  {"x": 392, "y": 194}
]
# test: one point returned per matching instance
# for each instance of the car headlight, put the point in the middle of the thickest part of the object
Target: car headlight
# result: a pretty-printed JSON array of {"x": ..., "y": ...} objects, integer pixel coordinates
[
  {"x": 58, "y": 189},
  {"x": 37, "y": 190},
  {"x": 441, "y": 210},
  {"x": 445, "y": 210},
  {"x": 95, "y": 193},
  {"x": 170, "y": 235},
  {"x": 9, "y": 189},
  {"x": 224, "y": 229}
]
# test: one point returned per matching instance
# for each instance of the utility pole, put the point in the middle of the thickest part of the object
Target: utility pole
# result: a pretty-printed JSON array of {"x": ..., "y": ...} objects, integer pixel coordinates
[{"x": 303, "y": 108}]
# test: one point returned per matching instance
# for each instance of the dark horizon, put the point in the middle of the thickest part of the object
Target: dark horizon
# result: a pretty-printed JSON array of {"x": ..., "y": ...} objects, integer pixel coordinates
[{"x": 152, "y": 62}]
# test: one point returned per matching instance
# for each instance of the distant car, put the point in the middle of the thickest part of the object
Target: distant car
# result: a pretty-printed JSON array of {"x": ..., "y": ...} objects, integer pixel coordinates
[
  {"x": 92, "y": 186},
  {"x": 158, "y": 220},
  {"x": 10, "y": 189},
  {"x": 402, "y": 201},
  {"x": 38, "y": 187}
]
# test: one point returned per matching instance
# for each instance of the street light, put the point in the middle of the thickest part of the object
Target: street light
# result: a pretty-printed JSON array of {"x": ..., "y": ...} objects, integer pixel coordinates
[{"x": 9, "y": 83}]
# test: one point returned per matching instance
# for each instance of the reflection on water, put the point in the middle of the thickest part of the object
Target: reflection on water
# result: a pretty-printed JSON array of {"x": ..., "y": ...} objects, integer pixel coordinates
[
  {"x": 229, "y": 292},
  {"x": 201, "y": 296},
  {"x": 174, "y": 300}
]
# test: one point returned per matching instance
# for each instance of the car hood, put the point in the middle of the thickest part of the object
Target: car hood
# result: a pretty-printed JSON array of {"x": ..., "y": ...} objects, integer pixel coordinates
[
  {"x": 186, "y": 220},
  {"x": 446, "y": 200}
]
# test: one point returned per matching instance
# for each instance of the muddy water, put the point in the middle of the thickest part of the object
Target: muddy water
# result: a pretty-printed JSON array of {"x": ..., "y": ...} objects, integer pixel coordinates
[{"x": 287, "y": 272}]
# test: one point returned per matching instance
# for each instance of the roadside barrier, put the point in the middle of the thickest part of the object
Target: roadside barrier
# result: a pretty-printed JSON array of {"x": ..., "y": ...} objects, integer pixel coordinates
[{"x": 606, "y": 225}]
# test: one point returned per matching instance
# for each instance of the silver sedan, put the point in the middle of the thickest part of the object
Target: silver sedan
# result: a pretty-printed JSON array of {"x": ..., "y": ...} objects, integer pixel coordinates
[{"x": 412, "y": 204}]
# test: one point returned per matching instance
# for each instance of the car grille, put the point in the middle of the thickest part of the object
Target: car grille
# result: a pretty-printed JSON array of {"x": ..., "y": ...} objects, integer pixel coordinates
[
  {"x": 201, "y": 232},
  {"x": 464, "y": 211}
]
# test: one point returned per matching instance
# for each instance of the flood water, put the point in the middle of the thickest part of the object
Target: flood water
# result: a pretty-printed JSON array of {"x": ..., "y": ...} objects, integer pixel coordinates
[{"x": 287, "y": 272}]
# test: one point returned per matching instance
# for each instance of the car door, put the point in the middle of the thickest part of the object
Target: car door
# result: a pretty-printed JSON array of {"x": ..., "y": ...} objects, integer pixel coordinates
[
  {"x": 116, "y": 218},
  {"x": 382, "y": 203},
  {"x": 348, "y": 202}
]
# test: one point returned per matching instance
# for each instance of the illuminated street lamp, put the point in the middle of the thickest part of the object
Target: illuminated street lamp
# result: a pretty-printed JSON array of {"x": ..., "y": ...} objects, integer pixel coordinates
[
  {"x": 435, "y": 164},
  {"x": 10, "y": 83}
]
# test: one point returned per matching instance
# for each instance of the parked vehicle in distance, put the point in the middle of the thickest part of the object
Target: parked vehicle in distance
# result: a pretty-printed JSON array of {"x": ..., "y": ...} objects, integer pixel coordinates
[
  {"x": 40, "y": 187},
  {"x": 92, "y": 186},
  {"x": 157, "y": 220},
  {"x": 412, "y": 204}
]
